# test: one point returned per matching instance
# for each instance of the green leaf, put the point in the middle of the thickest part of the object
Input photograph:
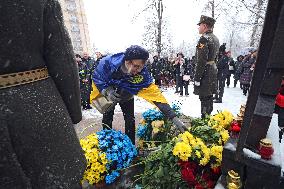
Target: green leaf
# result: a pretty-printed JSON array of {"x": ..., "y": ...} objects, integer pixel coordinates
[{"x": 160, "y": 172}]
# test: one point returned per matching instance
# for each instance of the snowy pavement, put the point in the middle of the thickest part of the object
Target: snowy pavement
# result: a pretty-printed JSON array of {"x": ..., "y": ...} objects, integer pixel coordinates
[{"x": 190, "y": 105}]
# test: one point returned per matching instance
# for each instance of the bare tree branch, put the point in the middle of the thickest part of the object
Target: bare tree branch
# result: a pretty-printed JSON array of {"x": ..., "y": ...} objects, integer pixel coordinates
[
  {"x": 252, "y": 10},
  {"x": 144, "y": 10}
]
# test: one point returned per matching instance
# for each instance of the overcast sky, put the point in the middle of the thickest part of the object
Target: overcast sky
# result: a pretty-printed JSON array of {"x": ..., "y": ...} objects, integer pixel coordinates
[{"x": 111, "y": 26}]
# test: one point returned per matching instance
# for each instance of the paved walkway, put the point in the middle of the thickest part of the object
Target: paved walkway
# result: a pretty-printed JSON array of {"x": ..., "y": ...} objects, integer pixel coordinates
[{"x": 92, "y": 124}]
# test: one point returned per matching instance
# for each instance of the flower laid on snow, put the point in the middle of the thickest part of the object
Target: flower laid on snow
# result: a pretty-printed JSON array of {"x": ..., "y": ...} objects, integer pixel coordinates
[{"x": 107, "y": 152}]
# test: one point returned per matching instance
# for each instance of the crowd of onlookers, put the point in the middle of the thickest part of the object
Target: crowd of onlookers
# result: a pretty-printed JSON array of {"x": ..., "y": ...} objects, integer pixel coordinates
[
  {"x": 178, "y": 72},
  {"x": 86, "y": 67}
]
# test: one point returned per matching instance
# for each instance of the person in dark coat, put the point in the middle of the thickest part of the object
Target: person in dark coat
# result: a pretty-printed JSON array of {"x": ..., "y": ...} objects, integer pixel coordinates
[
  {"x": 156, "y": 70},
  {"x": 89, "y": 62},
  {"x": 222, "y": 67},
  {"x": 222, "y": 51},
  {"x": 205, "y": 79},
  {"x": 223, "y": 72},
  {"x": 186, "y": 76},
  {"x": 231, "y": 68},
  {"x": 237, "y": 70},
  {"x": 247, "y": 68},
  {"x": 177, "y": 76},
  {"x": 179, "y": 63},
  {"x": 84, "y": 75},
  {"x": 39, "y": 99}
]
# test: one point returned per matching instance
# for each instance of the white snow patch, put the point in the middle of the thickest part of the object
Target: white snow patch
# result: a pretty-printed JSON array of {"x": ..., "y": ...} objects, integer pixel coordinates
[
  {"x": 230, "y": 146},
  {"x": 92, "y": 113},
  {"x": 219, "y": 186},
  {"x": 251, "y": 154}
]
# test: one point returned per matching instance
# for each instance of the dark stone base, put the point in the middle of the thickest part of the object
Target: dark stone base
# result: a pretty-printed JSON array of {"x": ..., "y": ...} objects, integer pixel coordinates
[{"x": 254, "y": 173}]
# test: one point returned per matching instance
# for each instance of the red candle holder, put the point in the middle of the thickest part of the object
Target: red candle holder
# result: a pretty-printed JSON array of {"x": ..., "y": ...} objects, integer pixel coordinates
[
  {"x": 265, "y": 149},
  {"x": 235, "y": 129}
]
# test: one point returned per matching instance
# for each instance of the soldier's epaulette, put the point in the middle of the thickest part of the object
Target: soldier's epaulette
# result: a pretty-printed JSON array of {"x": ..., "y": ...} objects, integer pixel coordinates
[
  {"x": 202, "y": 42},
  {"x": 203, "y": 39}
]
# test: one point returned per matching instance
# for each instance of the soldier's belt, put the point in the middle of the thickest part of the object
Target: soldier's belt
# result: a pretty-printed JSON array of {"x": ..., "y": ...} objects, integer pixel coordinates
[
  {"x": 20, "y": 78},
  {"x": 211, "y": 62}
]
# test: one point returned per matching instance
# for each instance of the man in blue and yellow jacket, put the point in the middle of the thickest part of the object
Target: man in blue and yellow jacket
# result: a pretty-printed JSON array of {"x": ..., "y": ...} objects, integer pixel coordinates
[{"x": 121, "y": 76}]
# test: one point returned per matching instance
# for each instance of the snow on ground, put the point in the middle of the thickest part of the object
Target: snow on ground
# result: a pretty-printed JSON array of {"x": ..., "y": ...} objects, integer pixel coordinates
[{"x": 190, "y": 105}]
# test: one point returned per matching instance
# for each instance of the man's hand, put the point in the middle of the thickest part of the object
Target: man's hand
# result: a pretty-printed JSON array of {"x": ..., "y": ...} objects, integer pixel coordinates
[
  {"x": 196, "y": 83},
  {"x": 111, "y": 94},
  {"x": 179, "y": 124}
]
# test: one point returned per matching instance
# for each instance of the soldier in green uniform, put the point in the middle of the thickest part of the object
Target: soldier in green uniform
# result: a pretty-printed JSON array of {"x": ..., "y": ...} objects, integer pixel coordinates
[
  {"x": 205, "y": 79},
  {"x": 84, "y": 76}
]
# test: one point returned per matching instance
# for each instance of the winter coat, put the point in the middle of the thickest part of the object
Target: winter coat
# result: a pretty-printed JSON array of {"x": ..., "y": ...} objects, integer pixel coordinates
[
  {"x": 156, "y": 68},
  {"x": 246, "y": 71},
  {"x": 38, "y": 144},
  {"x": 237, "y": 74},
  {"x": 205, "y": 73},
  {"x": 90, "y": 63},
  {"x": 84, "y": 76},
  {"x": 187, "y": 71},
  {"x": 232, "y": 67},
  {"x": 223, "y": 68}
]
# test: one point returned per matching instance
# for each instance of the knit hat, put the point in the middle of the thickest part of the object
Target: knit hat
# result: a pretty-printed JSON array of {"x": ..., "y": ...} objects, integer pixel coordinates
[{"x": 136, "y": 52}]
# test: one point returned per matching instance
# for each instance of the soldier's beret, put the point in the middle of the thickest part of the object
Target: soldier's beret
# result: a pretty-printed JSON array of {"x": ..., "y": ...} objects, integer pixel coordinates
[{"x": 206, "y": 20}]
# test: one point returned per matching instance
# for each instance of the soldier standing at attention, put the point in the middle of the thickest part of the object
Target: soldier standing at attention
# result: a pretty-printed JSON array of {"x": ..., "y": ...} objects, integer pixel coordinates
[{"x": 205, "y": 79}]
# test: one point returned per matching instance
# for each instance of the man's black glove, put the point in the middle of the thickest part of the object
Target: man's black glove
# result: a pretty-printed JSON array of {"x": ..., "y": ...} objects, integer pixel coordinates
[
  {"x": 179, "y": 124},
  {"x": 111, "y": 94}
]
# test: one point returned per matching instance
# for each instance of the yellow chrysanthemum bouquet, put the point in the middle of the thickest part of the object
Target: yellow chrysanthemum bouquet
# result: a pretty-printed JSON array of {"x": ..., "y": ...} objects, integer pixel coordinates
[
  {"x": 189, "y": 147},
  {"x": 205, "y": 139}
]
